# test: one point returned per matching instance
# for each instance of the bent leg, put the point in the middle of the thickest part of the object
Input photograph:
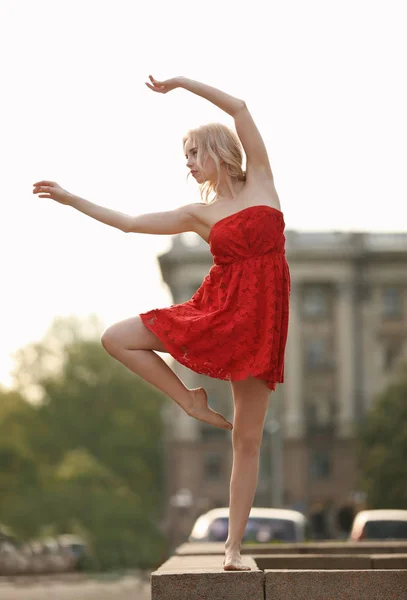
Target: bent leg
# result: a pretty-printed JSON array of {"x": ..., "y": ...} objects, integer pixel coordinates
[
  {"x": 251, "y": 398},
  {"x": 131, "y": 334},
  {"x": 132, "y": 343}
]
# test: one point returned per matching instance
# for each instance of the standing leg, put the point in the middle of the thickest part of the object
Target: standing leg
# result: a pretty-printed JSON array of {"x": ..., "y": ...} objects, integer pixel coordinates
[
  {"x": 251, "y": 398},
  {"x": 132, "y": 343}
]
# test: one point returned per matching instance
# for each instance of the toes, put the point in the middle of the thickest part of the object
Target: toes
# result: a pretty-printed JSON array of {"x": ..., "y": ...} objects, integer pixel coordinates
[
  {"x": 232, "y": 567},
  {"x": 227, "y": 424}
]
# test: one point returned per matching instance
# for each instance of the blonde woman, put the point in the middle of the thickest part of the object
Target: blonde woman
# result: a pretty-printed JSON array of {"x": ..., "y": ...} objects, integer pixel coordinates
[{"x": 235, "y": 326}]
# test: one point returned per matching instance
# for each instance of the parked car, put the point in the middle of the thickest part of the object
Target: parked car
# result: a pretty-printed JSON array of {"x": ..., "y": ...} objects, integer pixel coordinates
[
  {"x": 12, "y": 561},
  {"x": 75, "y": 546},
  {"x": 264, "y": 525},
  {"x": 384, "y": 524}
]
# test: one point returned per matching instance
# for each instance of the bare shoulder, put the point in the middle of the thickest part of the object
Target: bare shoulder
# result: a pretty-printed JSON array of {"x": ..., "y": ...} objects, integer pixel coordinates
[
  {"x": 187, "y": 217},
  {"x": 203, "y": 216},
  {"x": 195, "y": 209},
  {"x": 195, "y": 213}
]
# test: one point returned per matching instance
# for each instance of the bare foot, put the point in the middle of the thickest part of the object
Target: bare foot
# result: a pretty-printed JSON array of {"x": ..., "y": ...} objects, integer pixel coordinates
[
  {"x": 200, "y": 410},
  {"x": 233, "y": 562}
]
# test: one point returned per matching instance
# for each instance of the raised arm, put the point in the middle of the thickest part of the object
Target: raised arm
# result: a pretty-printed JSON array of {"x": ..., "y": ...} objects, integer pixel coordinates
[{"x": 250, "y": 137}]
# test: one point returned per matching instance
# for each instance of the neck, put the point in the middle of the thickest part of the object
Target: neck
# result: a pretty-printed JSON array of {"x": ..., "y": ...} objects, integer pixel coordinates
[{"x": 228, "y": 189}]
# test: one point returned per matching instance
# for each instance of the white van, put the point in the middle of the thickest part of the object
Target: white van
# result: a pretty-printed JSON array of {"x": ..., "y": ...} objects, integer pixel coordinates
[
  {"x": 382, "y": 524},
  {"x": 265, "y": 525}
]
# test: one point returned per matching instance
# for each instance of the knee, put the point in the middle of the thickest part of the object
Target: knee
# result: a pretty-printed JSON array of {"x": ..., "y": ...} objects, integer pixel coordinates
[
  {"x": 246, "y": 443},
  {"x": 109, "y": 340}
]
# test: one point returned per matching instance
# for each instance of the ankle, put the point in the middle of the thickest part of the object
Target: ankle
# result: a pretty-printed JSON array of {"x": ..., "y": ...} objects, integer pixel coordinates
[
  {"x": 232, "y": 548},
  {"x": 190, "y": 401}
]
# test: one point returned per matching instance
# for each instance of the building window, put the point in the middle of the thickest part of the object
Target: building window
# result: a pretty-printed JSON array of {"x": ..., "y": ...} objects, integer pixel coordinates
[
  {"x": 391, "y": 352},
  {"x": 315, "y": 302},
  {"x": 316, "y": 352},
  {"x": 392, "y": 302},
  {"x": 320, "y": 465},
  {"x": 213, "y": 466}
]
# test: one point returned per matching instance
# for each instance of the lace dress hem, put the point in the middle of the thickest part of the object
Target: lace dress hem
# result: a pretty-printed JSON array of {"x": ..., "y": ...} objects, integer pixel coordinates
[{"x": 207, "y": 369}]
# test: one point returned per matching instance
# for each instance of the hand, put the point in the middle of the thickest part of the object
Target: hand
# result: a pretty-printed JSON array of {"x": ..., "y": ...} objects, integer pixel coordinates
[
  {"x": 50, "y": 189},
  {"x": 164, "y": 86}
]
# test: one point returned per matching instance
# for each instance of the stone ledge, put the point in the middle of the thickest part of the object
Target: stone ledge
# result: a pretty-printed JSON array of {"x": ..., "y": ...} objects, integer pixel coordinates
[
  {"x": 315, "y": 561},
  {"x": 203, "y": 578},
  {"x": 389, "y": 561},
  {"x": 336, "y": 547},
  {"x": 309, "y": 577},
  {"x": 335, "y": 585}
]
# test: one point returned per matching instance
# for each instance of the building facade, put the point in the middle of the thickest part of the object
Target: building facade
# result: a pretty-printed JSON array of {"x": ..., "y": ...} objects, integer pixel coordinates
[{"x": 347, "y": 333}]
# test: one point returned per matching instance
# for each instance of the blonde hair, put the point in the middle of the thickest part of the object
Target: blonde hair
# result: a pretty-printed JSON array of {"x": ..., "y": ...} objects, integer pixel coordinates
[{"x": 222, "y": 144}]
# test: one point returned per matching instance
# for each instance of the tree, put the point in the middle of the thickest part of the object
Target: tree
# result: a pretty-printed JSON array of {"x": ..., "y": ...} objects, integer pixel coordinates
[
  {"x": 18, "y": 466},
  {"x": 383, "y": 447},
  {"x": 91, "y": 441}
]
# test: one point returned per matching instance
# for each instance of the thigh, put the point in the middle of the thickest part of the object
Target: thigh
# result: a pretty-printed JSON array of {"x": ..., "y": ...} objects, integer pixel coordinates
[
  {"x": 251, "y": 399},
  {"x": 132, "y": 334}
]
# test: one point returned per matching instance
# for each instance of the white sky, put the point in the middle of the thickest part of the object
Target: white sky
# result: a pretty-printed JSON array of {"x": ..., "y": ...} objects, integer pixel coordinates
[{"x": 324, "y": 81}]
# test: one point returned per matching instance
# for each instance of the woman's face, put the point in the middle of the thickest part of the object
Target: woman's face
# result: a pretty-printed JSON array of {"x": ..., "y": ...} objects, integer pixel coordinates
[{"x": 208, "y": 171}]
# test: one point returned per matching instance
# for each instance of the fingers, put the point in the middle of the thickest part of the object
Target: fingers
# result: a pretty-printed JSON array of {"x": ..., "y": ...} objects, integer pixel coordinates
[
  {"x": 158, "y": 86},
  {"x": 43, "y": 193},
  {"x": 157, "y": 89},
  {"x": 155, "y": 80},
  {"x": 44, "y": 189},
  {"x": 44, "y": 182}
]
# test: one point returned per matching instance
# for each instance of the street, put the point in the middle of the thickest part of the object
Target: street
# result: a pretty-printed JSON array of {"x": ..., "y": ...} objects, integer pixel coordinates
[{"x": 75, "y": 588}]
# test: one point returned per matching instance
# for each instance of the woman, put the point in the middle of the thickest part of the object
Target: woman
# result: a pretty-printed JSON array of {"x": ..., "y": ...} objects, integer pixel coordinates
[{"x": 235, "y": 326}]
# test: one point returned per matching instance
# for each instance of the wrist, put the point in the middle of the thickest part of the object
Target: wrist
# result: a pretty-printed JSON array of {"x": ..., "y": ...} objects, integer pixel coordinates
[
  {"x": 72, "y": 200},
  {"x": 182, "y": 81}
]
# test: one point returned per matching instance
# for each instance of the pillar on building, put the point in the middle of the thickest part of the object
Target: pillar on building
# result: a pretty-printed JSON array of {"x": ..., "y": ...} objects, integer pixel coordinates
[
  {"x": 294, "y": 424},
  {"x": 345, "y": 357}
]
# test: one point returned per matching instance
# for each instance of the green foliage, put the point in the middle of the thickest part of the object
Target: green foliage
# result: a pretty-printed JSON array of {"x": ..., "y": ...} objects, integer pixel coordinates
[
  {"x": 383, "y": 447},
  {"x": 85, "y": 455}
]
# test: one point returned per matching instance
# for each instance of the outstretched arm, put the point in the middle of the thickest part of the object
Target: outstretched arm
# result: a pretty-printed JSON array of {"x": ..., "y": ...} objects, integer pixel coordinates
[
  {"x": 184, "y": 218},
  {"x": 51, "y": 189},
  {"x": 169, "y": 222},
  {"x": 249, "y": 135}
]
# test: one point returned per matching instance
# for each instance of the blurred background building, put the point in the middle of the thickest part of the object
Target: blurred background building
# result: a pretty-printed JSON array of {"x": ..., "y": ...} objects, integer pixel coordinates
[{"x": 347, "y": 332}]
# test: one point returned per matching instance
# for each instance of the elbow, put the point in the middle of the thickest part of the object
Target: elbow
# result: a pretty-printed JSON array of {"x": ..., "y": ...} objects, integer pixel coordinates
[
  {"x": 241, "y": 105},
  {"x": 127, "y": 226}
]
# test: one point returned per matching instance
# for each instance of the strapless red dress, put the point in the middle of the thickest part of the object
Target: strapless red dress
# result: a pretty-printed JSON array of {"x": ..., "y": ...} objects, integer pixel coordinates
[{"x": 235, "y": 325}]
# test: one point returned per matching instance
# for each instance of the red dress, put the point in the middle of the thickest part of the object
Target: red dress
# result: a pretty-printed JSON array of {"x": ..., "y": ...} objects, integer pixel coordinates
[{"x": 235, "y": 325}]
